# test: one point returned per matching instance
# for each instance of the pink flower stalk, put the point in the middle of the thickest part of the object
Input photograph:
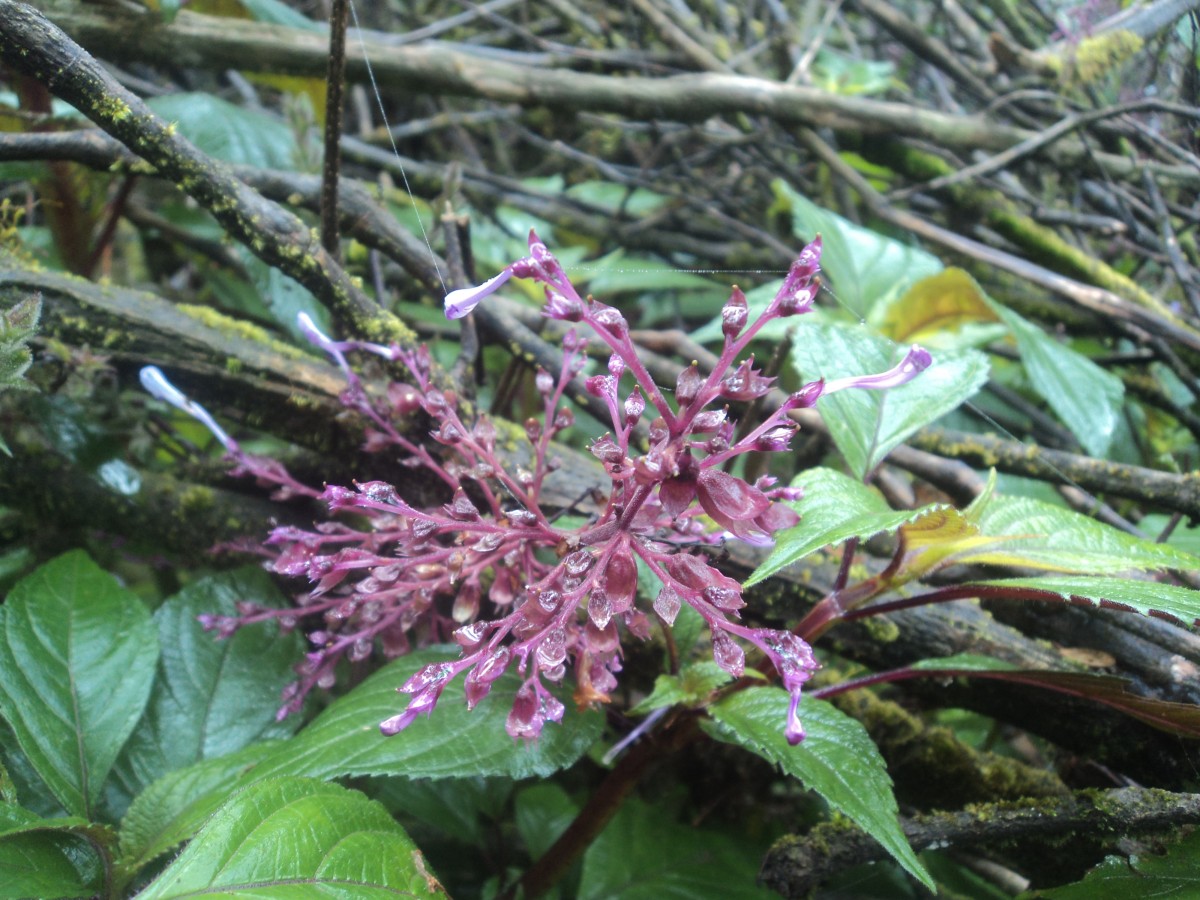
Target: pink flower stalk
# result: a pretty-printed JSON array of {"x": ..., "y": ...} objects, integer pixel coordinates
[{"x": 474, "y": 567}]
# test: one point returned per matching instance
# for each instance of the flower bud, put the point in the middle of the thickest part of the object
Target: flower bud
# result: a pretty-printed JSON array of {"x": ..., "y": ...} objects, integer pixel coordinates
[{"x": 734, "y": 314}]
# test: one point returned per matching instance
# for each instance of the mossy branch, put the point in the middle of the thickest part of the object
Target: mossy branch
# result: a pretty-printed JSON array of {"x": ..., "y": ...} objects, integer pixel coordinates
[
  {"x": 796, "y": 865},
  {"x": 34, "y": 46}
]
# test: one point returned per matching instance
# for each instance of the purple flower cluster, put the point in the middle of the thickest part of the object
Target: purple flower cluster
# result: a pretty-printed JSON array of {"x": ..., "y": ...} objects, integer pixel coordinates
[{"x": 490, "y": 568}]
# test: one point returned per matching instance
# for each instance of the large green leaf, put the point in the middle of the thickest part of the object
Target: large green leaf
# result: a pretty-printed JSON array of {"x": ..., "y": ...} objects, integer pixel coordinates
[
  {"x": 1086, "y": 398},
  {"x": 834, "y": 508},
  {"x": 1145, "y": 597},
  {"x": 77, "y": 656},
  {"x": 212, "y": 696},
  {"x": 299, "y": 838},
  {"x": 867, "y": 424},
  {"x": 865, "y": 267},
  {"x": 50, "y": 858},
  {"x": 837, "y": 759},
  {"x": 344, "y": 741},
  {"x": 229, "y": 132},
  {"x": 169, "y": 811},
  {"x": 645, "y": 854},
  {"x": 453, "y": 742},
  {"x": 1174, "y": 874},
  {"x": 1044, "y": 536}
]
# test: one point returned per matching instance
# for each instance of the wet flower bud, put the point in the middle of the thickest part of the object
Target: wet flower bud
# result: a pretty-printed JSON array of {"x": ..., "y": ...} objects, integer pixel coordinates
[
  {"x": 687, "y": 385},
  {"x": 734, "y": 314}
]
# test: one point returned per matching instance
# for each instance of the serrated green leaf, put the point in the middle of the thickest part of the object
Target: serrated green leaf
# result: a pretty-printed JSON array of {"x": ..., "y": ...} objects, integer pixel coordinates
[
  {"x": 77, "y": 658},
  {"x": 644, "y": 854},
  {"x": 834, "y": 508},
  {"x": 837, "y": 760},
  {"x": 694, "y": 684},
  {"x": 1174, "y": 874},
  {"x": 1044, "y": 536},
  {"x": 1145, "y": 597},
  {"x": 865, "y": 267},
  {"x": 867, "y": 424},
  {"x": 1084, "y": 396},
  {"x": 228, "y": 132},
  {"x": 211, "y": 697},
  {"x": 298, "y": 838},
  {"x": 345, "y": 741},
  {"x": 169, "y": 811}
]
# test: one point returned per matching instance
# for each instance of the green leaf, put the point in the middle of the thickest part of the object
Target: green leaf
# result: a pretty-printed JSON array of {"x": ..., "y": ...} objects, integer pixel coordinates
[
  {"x": 278, "y": 13},
  {"x": 846, "y": 74},
  {"x": 77, "y": 656},
  {"x": 834, "y": 508},
  {"x": 169, "y": 811},
  {"x": 837, "y": 759},
  {"x": 1044, "y": 536},
  {"x": 298, "y": 838},
  {"x": 228, "y": 132},
  {"x": 18, "y": 324},
  {"x": 644, "y": 854},
  {"x": 693, "y": 685},
  {"x": 466, "y": 809},
  {"x": 867, "y": 424},
  {"x": 542, "y": 813},
  {"x": 1174, "y": 874},
  {"x": 212, "y": 696},
  {"x": 51, "y": 858},
  {"x": 1145, "y": 597},
  {"x": 344, "y": 741},
  {"x": 1084, "y": 396},
  {"x": 865, "y": 267}
]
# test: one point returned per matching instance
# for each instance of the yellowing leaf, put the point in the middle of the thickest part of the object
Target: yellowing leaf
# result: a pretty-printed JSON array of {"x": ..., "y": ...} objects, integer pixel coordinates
[{"x": 939, "y": 303}]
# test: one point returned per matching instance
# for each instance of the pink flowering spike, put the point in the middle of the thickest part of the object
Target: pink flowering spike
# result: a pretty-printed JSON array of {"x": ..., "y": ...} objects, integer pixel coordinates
[
  {"x": 459, "y": 303},
  {"x": 916, "y": 361},
  {"x": 729, "y": 500}
]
